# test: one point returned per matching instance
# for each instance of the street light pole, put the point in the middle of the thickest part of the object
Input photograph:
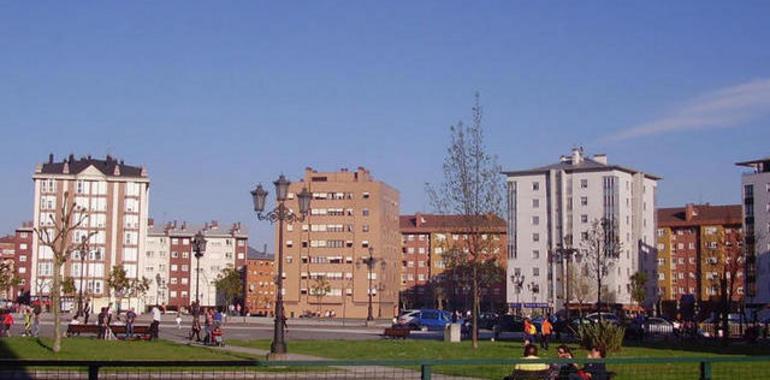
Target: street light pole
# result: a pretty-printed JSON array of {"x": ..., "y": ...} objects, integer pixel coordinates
[
  {"x": 280, "y": 214},
  {"x": 370, "y": 265},
  {"x": 83, "y": 253},
  {"x": 518, "y": 283},
  {"x": 199, "y": 246}
]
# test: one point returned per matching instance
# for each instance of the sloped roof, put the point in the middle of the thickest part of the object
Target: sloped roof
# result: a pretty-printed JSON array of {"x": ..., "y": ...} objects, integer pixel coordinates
[
  {"x": 436, "y": 222},
  {"x": 586, "y": 164},
  {"x": 106, "y": 167},
  {"x": 703, "y": 215}
]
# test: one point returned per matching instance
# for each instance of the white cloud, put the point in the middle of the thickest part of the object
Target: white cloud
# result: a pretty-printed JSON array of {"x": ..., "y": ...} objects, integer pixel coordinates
[{"x": 724, "y": 108}]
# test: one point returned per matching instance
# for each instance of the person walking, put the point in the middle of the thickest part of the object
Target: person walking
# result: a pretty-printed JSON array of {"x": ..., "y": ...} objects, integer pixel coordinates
[
  {"x": 546, "y": 329},
  {"x": 86, "y": 312},
  {"x": 130, "y": 318},
  {"x": 178, "y": 321},
  {"x": 155, "y": 325},
  {"x": 27, "y": 322},
  {"x": 8, "y": 322},
  {"x": 36, "y": 310},
  {"x": 196, "y": 329}
]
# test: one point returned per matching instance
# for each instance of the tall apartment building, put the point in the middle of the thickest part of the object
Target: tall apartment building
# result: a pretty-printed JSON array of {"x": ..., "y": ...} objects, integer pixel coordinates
[
  {"x": 693, "y": 243},
  {"x": 171, "y": 265},
  {"x": 351, "y": 213},
  {"x": 554, "y": 206},
  {"x": 259, "y": 283},
  {"x": 755, "y": 192},
  {"x": 16, "y": 250},
  {"x": 116, "y": 196},
  {"x": 424, "y": 239}
]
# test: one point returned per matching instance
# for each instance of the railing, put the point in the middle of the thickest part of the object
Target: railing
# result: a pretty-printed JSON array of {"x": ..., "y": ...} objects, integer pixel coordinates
[{"x": 703, "y": 368}]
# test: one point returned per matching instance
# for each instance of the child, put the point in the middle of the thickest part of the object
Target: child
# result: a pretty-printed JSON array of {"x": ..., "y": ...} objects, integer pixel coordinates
[
  {"x": 8, "y": 322},
  {"x": 178, "y": 322}
]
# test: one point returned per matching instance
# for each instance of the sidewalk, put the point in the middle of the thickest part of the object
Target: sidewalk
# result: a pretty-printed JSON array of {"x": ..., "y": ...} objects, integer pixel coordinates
[{"x": 344, "y": 372}]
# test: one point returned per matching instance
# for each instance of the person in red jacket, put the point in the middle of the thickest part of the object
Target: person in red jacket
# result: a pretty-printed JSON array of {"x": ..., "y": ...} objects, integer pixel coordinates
[{"x": 7, "y": 323}]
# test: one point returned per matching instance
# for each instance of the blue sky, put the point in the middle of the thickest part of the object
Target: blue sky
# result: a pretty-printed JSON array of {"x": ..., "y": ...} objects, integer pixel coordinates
[{"x": 215, "y": 96}]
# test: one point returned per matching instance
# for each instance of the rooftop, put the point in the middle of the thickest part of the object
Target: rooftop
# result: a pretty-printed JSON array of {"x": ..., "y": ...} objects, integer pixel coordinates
[
  {"x": 254, "y": 254},
  {"x": 209, "y": 229},
  {"x": 109, "y": 166},
  {"x": 696, "y": 215},
  {"x": 577, "y": 161},
  {"x": 435, "y": 222}
]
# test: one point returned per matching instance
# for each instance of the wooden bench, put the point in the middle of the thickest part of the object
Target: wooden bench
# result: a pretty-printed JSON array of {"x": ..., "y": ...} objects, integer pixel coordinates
[
  {"x": 143, "y": 331},
  {"x": 396, "y": 332}
]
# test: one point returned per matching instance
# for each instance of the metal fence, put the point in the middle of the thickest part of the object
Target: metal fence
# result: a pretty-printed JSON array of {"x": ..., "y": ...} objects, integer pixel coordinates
[{"x": 743, "y": 368}]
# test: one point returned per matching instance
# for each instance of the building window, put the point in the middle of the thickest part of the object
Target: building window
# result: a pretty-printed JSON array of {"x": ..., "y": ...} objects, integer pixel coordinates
[
  {"x": 536, "y": 203},
  {"x": 365, "y": 228},
  {"x": 366, "y": 195},
  {"x": 536, "y": 272},
  {"x": 583, "y": 183},
  {"x": 365, "y": 212},
  {"x": 535, "y": 220},
  {"x": 584, "y": 218},
  {"x": 584, "y": 201},
  {"x": 536, "y": 254},
  {"x": 535, "y": 186},
  {"x": 535, "y": 237}
]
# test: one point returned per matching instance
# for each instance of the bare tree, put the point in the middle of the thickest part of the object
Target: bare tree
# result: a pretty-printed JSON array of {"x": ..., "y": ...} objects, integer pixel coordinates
[
  {"x": 639, "y": 287},
  {"x": 726, "y": 260},
  {"x": 600, "y": 248},
  {"x": 57, "y": 233},
  {"x": 472, "y": 188},
  {"x": 319, "y": 290},
  {"x": 579, "y": 287},
  {"x": 8, "y": 277}
]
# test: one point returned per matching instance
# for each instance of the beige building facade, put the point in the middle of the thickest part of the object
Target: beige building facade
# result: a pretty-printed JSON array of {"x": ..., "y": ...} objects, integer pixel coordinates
[{"x": 325, "y": 267}]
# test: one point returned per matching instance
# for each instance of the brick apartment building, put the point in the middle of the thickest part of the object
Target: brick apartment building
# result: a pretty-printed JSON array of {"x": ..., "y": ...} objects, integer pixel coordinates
[
  {"x": 15, "y": 250},
  {"x": 693, "y": 243},
  {"x": 351, "y": 213},
  {"x": 259, "y": 283},
  {"x": 170, "y": 263},
  {"x": 116, "y": 197},
  {"x": 425, "y": 238}
]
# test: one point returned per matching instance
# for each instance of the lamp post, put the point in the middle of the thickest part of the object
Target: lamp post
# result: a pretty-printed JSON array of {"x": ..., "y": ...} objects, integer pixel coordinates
[
  {"x": 83, "y": 253},
  {"x": 565, "y": 254},
  {"x": 518, "y": 283},
  {"x": 157, "y": 292},
  {"x": 369, "y": 261},
  {"x": 280, "y": 214},
  {"x": 199, "y": 247},
  {"x": 534, "y": 288}
]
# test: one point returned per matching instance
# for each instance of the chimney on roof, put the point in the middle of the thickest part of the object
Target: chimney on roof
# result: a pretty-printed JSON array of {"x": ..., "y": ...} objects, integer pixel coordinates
[
  {"x": 264, "y": 249},
  {"x": 66, "y": 168},
  {"x": 89, "y": 156},
  {"x": 50, "y": 158},
  {"x": 151, "y": 222},
  {"x": 577, "y": 155},
  {"x": 601, "y": 158},
  {"x": 71, "y": 157},
  {"x": 563, "y": 159},
  {"x": 690, "y": 212},
  {"x": 108, "y": 158},
  {"x": 214, "y": 225}
]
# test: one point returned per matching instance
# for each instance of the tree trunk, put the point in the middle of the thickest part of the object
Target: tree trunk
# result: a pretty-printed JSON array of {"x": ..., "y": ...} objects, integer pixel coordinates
[
  {"x": 55, "y": 292},
  {"x": 475, "y": 313}
]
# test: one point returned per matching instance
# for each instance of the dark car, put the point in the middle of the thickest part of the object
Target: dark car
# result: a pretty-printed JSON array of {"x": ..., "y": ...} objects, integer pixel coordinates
[
  {"x": 508, "y": 323},
  {"x": 487, "y": 320}
]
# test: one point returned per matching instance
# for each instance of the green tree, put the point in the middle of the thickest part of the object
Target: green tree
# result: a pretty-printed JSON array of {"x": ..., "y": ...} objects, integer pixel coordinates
[
  {"x": 138, "y": 288},
  {"x": 56, "y": 232},
  {"x": 119, "y": 284},
  {"x": 472, "y": 188},
  {"x": 230, "y": 283},
  {"x": 68, "y": 286},
  {"x": 319, "y": 290},
  {"x": 638, "y": 287}
]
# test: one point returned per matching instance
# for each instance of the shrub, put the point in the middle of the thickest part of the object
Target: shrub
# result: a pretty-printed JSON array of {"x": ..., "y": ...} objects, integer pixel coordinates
[{"x": 602, "y": 334}]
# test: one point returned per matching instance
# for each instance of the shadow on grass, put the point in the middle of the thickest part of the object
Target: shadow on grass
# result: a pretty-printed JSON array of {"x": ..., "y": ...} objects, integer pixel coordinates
[
  {"x": 707, "y": 346},
  {"x": 43, "y": 344}
]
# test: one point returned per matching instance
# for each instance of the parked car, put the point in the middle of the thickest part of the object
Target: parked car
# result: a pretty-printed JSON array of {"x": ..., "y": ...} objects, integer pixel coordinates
[
  {"x": 609, "y": 317},
  {"x": 508, "y": 323},
  {"x": 406, "y": 316},
  {"x": 487, "y": 320},
  {"x": 426, "y": 319},
  {"x": 659, "y": 326}
]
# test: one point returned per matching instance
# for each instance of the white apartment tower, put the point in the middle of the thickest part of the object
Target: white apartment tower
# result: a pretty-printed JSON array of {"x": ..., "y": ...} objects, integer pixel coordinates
[
  {"x": 116, "y": 197},
  {"x": 755, "y": 192},
  {"x": 553, "y": 207}
]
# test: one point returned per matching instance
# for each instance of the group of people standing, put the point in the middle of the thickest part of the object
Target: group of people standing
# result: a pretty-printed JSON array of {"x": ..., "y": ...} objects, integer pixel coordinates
[
  {"x": 31, "y": 315},
  {"x": 543, "y": 334},
  {"x": 212, "y": 322}
]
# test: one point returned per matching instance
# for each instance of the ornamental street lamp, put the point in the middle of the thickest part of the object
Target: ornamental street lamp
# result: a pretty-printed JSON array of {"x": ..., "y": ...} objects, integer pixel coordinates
[
  {"x": 280, "y": 214},
  {"x": 518, "y": 283},
  {"x": 199, "y": 247},
  {"x": 534, "y": 288},
  {"x": 369, "y": 261},
  {"x": 83, "y": 252}
]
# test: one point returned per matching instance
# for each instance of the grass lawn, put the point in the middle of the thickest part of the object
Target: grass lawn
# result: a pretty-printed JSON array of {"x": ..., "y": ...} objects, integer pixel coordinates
[
  {"x": 92, "y": 349},
  {"x": 421, "y": 349}
]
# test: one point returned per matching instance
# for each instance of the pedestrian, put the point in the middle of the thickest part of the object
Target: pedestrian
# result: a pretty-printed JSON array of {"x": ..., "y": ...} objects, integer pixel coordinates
[
  {"x": 527, "y": 330},
  {"x": 196, "y": 329},
  {"x": 546, "y": 329},
  {"x": 155, "y": 325},
  {"x": 27, "y": 322},
  {"x": 36, "y": 310},
  {"x": 8, "y": 322},
  {"x": 218, "y": 318},
  {"x": 178, "y": 321},
  {"x": 130, "y": 318},
  {"x": 208, "y": 323},
  {"x": 100, "y": 319},
  {"x": 87, "y": 312}
]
